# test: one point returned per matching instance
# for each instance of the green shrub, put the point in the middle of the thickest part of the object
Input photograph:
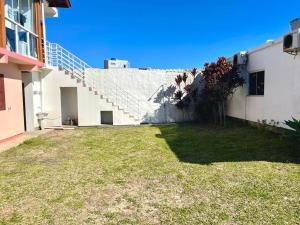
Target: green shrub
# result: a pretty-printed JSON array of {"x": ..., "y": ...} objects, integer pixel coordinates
[{"x": 295, "y": 126}]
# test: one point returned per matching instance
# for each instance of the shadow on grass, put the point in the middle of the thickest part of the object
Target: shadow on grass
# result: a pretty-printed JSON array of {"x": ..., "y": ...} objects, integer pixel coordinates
[{"x": 204, "y": 144}]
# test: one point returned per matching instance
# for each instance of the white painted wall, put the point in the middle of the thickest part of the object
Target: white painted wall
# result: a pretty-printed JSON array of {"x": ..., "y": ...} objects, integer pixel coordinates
[
  {"x": 88, "y": 103},
  {"x": 150, "y": 87},
  {"x": 281, "y": 100}
]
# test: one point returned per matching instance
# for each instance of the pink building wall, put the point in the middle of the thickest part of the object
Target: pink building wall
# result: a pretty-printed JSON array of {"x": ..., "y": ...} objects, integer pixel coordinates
[{"x": 12, "y": 119}]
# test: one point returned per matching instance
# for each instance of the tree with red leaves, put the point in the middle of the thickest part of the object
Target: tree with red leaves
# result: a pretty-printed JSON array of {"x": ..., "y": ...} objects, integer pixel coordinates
[{"x": 220, "y": 80}]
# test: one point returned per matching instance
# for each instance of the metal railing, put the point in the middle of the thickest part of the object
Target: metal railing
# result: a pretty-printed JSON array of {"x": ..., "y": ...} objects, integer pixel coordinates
[{"x": 59, "y": 57}]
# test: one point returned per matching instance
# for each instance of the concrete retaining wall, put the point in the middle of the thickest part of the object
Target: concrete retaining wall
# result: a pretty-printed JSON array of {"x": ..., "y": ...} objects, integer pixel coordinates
[{"x": 153, "y": 88}]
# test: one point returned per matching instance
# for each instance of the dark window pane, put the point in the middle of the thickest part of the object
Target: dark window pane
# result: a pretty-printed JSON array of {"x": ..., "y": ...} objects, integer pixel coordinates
[
  {"x": 252, "y": 84},
  {"x": 257, "y": 83},
  {"x": 10, "y": 36},
  {"x": 261, "y": 83},
  {"x": 33, "y": 46}
]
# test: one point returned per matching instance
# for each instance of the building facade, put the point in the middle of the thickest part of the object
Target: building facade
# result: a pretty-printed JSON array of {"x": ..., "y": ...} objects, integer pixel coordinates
[
  {"x": 272, "y": 90},
  {"x": 22, "y": 57}
]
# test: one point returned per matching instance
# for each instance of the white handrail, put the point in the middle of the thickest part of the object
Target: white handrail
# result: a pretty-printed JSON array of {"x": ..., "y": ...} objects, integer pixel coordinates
[{"x": 59, "y": 57}]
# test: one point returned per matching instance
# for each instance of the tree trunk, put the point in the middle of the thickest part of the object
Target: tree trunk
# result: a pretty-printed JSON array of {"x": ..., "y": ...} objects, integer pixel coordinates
[
  {"x": 220, "y": 113},
  {"x": 215, "y": 114},
  {"x": 224, "y": 113}
]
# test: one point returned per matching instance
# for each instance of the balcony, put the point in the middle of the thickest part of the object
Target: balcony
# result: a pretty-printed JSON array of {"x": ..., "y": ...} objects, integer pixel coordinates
[{"x": 21, "y": 38}]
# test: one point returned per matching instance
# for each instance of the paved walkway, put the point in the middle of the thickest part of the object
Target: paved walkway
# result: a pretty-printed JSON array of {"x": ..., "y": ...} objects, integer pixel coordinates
[{"x": 20, "y": 139}]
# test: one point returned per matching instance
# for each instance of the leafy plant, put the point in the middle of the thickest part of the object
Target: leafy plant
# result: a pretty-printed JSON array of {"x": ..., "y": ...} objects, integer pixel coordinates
[
  {"x": 220, "y": 80},
  {"x": 188, "y": 88},
  {"x": 194, "y": 72},
  {"x": 188, "y": 94},
  {"x": 294, "y": 124},
  {"x": 271, "y": 125},
  {"x": 178, "y": 95},
  {"x": 178, "y": 80},
  {"x": 184, "y": 78}
]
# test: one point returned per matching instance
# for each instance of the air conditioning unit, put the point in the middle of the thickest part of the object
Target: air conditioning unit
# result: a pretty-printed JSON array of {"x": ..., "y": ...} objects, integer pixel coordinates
[
  {"x": 291, "y": 42},
  {"x": 240, "y": 58}
]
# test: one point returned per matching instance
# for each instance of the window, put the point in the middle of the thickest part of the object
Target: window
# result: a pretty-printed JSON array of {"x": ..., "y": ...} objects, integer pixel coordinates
[
  {"x": 2, "y": 93},
  {"x": 21, "y": 13},
  {"x": 21, "y": 36},
  {"x": 257, "y": 83}
]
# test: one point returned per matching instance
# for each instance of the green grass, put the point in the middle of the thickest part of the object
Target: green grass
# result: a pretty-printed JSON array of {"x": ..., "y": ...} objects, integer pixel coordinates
[{"x": 176, "y": 174}]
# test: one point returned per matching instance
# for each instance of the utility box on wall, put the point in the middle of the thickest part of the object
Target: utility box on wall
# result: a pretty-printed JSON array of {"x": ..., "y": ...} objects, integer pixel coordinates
[{"x": 107, "y": 118}]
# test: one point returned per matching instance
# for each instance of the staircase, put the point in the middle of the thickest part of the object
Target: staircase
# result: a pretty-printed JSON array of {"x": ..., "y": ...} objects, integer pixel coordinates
[{"x": 109, "y": 91}]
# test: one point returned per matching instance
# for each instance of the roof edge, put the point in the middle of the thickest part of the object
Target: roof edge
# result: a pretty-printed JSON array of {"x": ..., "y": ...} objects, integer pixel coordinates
[{"x": 59, "y": 3}]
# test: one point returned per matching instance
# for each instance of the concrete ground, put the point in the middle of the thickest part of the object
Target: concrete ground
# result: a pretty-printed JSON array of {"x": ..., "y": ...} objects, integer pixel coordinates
[{"x": 20, "y": 139}]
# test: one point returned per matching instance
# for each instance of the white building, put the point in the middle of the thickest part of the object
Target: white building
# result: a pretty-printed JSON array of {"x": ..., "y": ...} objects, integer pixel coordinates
[
  {"x": 22, "y": 60},
  {"x": 272, "y": 90},
  {"x": 116, "y": 64}
]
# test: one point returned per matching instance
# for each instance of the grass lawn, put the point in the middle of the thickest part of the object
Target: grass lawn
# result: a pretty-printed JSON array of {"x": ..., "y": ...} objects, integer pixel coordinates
[{"x": 175, "y": 174}]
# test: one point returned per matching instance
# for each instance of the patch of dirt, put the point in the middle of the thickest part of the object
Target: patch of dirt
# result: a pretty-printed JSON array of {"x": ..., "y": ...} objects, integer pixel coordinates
[
  {"x": 138, "y": 198},
  {"x": 42, "y": 156}
]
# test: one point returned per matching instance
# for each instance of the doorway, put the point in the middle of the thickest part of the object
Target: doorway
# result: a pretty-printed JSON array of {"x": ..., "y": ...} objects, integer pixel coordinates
[{"x": 69, "y": 106}]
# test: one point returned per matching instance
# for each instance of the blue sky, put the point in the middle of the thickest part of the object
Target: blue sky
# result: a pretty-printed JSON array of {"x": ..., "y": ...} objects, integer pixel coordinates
[{"x": 168, "y": 33}]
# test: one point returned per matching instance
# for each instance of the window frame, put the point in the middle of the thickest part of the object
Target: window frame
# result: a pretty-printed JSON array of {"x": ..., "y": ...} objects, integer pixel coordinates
[
  {"x": 31, "y": 49},
  {"x": 257, "y": 72},
  {"x": 2, "y": 93}
]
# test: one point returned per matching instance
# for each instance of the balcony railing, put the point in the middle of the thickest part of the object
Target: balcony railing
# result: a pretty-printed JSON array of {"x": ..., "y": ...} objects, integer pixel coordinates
[{"x": 57, "y": 56}]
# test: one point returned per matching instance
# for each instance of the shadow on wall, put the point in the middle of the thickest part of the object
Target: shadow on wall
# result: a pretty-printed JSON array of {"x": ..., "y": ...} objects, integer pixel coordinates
[
  {"x": 167, "y": 112},
  {"x": 205, "y": 144}
]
